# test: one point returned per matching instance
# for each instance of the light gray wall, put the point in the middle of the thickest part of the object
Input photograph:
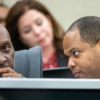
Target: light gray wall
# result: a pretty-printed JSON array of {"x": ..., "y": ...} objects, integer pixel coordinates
[{"x": 67, "y": 11}]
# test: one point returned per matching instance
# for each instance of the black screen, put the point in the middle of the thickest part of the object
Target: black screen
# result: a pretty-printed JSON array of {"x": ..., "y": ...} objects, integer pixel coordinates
[
  {"x": 61, "y": 72},
  {"x": 49, "y": 94}
]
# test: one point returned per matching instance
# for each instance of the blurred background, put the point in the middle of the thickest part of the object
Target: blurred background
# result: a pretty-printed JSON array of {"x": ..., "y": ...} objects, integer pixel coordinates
[{"x": 67, "y": 11}]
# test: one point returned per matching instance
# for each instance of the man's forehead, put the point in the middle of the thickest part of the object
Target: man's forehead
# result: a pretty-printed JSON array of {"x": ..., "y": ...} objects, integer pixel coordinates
[
  {"x": 74, "y": 33},
  {"x": 3, "y": 31},
  {"x": 3, "y": 11},
  {"x": 4, "y": 35},
  {"x": 71, "y": 38}
]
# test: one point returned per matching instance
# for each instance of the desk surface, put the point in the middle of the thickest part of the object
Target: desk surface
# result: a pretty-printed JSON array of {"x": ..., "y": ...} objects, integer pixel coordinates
[{"x": 49, "y": 83}]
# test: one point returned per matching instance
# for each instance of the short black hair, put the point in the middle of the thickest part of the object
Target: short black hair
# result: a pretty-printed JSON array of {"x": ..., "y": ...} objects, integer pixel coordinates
[{"x": 89, "y": 29}]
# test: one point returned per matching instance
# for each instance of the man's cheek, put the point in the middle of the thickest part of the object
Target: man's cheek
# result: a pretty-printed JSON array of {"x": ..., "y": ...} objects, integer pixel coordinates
[
  {"x": 80, "y": 62},
  {"x": 10, "y": 62},
  {"x": 13, "y": 63}
]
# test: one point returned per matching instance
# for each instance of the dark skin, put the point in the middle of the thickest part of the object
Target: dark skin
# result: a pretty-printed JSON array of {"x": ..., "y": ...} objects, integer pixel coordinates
[
  {"x": 84, "y": 60},
  {"x": 6, "y": 55}
]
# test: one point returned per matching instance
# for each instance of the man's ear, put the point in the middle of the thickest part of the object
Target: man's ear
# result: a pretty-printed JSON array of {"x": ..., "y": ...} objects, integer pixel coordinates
[
  {"x": 98, "y": 42},
  {"x": 97, "y": 46}
]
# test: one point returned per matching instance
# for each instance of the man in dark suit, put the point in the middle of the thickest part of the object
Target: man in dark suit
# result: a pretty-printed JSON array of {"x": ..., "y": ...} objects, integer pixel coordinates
[
  {"x": 6, "y": 55},
  {"x": 82, "y": 46}
]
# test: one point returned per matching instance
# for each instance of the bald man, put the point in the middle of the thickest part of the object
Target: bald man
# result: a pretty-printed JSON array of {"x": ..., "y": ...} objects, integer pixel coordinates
[{"x": 6, "y": 55}]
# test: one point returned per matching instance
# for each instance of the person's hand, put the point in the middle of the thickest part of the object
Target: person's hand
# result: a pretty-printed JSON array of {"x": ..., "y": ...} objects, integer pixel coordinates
[{"x": 8, "y": 72}]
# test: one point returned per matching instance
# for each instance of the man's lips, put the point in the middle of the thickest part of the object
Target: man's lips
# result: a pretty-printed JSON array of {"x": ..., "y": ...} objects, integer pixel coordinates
[{"x": 77, "y": 73}]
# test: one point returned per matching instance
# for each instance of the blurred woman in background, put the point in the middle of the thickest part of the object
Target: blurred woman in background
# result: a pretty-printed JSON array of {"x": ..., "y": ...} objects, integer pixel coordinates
[{"x": 30, "y": 24}]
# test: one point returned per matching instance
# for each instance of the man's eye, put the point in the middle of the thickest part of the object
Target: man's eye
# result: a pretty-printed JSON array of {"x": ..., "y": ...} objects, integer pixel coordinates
[
  {"x": 6, "y": 47},
  {"x": 76, "y": 53}
]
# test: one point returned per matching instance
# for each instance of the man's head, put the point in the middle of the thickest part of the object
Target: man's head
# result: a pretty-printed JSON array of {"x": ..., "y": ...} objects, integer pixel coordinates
[
  {"x": 3, "y": 13},
  {"x": 82, "y": 45},
  {"x": 6, "y": 49}
]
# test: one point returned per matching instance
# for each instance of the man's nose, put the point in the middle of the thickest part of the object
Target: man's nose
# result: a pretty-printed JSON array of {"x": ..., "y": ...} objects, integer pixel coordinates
[
  {"x": 71, "y": 63},
  {"x": 2, "y": 59}
]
